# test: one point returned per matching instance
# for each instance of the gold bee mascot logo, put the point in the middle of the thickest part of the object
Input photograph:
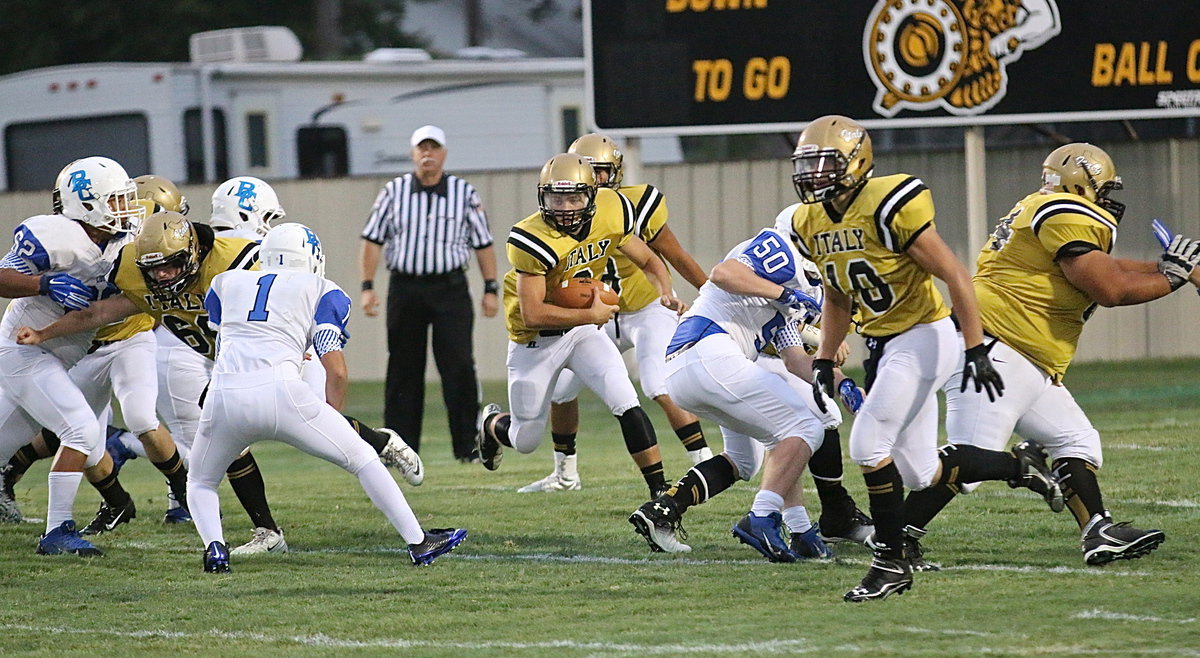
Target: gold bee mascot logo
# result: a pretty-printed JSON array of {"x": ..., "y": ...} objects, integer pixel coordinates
[{"x": 924, "y": 54}]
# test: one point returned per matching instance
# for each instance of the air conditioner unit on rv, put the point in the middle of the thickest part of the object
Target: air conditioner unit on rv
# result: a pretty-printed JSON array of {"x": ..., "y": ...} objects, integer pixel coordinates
[{"x": 265, "y": 43}]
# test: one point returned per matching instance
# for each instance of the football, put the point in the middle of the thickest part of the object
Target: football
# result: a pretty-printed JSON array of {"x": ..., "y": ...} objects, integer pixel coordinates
[{"x": 578, "y": 292}]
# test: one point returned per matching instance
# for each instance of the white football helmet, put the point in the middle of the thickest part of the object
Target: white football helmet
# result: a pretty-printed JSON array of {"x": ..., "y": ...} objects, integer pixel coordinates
[
  {"x": 245, "y": 202},
  {"x": 292, "y": 247},
  {"x": 98, "y": 192}
]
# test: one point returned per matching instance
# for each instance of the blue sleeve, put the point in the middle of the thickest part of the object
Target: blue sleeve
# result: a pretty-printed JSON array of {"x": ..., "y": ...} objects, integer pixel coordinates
[
  {"x": 27, "y": 256},
  {"x": 769, "y": 258},
  {"x": 212, "y": 304},
  {"x": 333, "y": 310}
]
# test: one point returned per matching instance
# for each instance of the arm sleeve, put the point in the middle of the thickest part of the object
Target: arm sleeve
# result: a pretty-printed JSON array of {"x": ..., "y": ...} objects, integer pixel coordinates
[
  {"x": 379, "y": 222},
  {"x": 28, "y": 255},
  {"x": 769, "y": 257},
  {"x": 479, "y": 236}
]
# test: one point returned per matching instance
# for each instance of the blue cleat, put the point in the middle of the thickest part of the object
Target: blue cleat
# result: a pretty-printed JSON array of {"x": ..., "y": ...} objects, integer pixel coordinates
[
  {"x": 765, "y": 535},
  {"x": 117, "y": 450},
  {"x": 65, "y": 539},
  {"x": 216, "y": 558},
  {"x": 177, "y": 515},
  {"x": 808, "y": 545},
  {"x": 436, "y": 542}
]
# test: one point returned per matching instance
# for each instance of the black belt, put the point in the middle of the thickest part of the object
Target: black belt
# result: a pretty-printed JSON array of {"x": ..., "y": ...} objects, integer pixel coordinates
[
  {"x": 406, "y": 276},
  {"x": 548, "y": 333},
  {"x": 97, "y": 344}
]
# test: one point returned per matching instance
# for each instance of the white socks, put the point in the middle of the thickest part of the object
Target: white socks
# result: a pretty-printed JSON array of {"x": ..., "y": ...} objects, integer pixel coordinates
[
  {"x": 63, "y": 487},
  {"x": 766, "y": 502},
  {"x": 386, "y": 495},
  {"x": 796, "y": 519}
]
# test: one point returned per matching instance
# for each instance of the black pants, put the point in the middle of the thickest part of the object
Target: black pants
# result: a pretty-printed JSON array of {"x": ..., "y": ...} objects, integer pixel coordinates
[{"x": 414, "y": 303}]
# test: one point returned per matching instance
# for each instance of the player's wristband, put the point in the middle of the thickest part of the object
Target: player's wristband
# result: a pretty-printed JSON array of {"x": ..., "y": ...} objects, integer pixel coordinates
[
  {"x": 368, "y": 285},
  {"x": 491, "y": 287}
]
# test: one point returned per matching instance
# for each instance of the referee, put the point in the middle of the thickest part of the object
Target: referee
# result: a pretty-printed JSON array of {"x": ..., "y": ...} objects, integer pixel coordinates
[{"x": 427, "y": 223}]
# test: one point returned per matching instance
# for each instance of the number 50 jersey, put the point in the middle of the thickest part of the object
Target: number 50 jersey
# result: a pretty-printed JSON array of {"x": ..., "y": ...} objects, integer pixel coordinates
[{"x": 862, "y": 253}]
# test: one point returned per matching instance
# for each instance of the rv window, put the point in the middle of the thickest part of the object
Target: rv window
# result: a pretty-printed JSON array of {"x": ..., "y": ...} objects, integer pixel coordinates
[
  {"x": 570, "y": 126},
  {"x": 322, "y": 151},
  {"x": 256, "y": 139},
  {"x": 194, "y": 148},
  {"x": 37, "y": 150}
]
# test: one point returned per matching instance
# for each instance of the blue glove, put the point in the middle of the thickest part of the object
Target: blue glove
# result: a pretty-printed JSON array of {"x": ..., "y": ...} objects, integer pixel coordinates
[
  {"x": 794, "y": 299},
  {"x": 852, "y": 398},
  {"x": 69, "y": 292}
]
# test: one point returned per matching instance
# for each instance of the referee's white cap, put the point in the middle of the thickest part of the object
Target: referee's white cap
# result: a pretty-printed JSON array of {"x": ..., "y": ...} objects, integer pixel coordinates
[{"x": 428, "y": 132}]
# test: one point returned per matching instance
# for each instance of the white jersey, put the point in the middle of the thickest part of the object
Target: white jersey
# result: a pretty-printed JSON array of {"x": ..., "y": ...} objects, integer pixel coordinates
[
  {"x": 753, "y": 322},
  {"x": 53, "y": 243},
  {"x": 243, "y": 233},
  {"x": 270, "y": 318}
]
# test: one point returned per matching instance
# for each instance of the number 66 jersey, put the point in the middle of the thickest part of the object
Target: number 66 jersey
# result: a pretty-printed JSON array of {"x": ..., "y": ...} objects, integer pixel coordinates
[{"x": 861, "y": 253}]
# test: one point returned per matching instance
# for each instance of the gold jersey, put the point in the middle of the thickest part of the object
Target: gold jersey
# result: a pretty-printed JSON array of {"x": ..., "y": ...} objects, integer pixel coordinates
[
  {"x": 650, "y": 216},
  {"x": 1025, "y": 299},
  {"x": 862, "y": 253},
  {"x": 127, "y": 328},
  {"x": 534, "y": 247},
  {"x": 184, "y": 315}
]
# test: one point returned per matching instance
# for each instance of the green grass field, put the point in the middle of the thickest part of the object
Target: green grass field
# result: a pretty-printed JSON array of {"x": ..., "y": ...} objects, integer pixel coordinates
[{"x": 565, "y": 574}]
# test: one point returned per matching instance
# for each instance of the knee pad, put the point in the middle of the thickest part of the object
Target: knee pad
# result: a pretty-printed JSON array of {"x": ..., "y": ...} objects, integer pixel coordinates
[{"x": 637, "y": 430}]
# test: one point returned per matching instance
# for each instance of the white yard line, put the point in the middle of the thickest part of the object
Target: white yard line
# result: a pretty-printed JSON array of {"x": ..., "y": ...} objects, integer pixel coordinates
[{"x": 1123, "y": 616}]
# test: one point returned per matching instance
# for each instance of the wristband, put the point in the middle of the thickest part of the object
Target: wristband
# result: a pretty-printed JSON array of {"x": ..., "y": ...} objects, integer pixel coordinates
[
  {"x": 490, "y": 287},
  {"x": 368, "y": 284}
]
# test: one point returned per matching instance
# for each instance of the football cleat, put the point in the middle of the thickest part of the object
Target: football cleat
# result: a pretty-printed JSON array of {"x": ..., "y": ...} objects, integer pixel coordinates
[
  {"x": 265, "y": 540},
  {"x": 699, "y": 456},
  {"x": 658, "y": 521},
  {"x": 108, "y": 518},
  {"x": 489, "y": 447},
  {"x": 886, "y": 576},
  {"x": 765, "y": 535},
  {"x": 216, "y": 558},
  {"x": 403, "y": 458},
  {"x": 846, "y": 524},
  {"x": 808, "y": 545},
  {"x": 9, "y": 512},
  {"x": 1035, "y": 476},
  {"x": 913, "y": 551},
  {"x": 119, "y": 452},
  {"x": 177, "y": 515},
  {"x": 437, "y": 542},
  {"x": 1104, "y": 541},
  {"x": 65, "y": 539},
  {"x": 564, "y": 478}
]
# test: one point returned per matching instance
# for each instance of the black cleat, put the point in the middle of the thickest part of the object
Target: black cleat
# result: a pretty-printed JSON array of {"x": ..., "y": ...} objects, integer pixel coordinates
[
  {"x": 436, "y": 542},
  {"x": 486, "y": 444},
  {"x": 659, "y": 522},
  {"x": 108, "y": 518},
  {"x": 216, "y": 558},
  {"x": 1035, "y": 476},
  {"x": 1105, "y": 541},
  {"x": 846, "y": 524},
  {"x": 913, "y": 551},
  {"x": 887, "y": 576}
]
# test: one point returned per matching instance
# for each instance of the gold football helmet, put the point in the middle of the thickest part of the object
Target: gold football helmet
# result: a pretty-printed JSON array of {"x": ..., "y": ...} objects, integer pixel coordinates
[
  {"x": 162, "y": 192},
  {"x": 1084, "y": 170},
  {"x": 168, "y": 254},
  {"x": 833, "y": 156},
  {"x": 604, "y": 154},
  {"x": 567, "y": 193}
]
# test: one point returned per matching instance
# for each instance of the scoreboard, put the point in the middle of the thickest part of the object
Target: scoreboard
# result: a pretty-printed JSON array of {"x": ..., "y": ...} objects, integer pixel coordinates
[{"x": 729, "y": 66}]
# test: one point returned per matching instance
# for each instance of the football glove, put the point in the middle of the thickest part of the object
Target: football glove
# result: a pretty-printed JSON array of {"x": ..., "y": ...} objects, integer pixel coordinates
[
  {"x": 69, "y": 292},
  {"x": 822, "y": 383},
  {"x": 1178, "y": 261},
  {"x": 799, "y": 301},
  {"x": 979, "y": 367},
  {"x": 852, "y": 397}
]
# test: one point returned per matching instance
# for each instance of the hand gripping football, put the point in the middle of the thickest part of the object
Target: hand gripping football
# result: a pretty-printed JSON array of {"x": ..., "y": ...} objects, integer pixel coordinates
[{"x": 578, "y": 292}]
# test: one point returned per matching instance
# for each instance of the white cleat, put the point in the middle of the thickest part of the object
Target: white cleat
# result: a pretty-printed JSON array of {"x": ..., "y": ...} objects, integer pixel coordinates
[
  {"x": 400, "y": 456},
  {"x": 564, "y": 478},
  {"x": 265, "y": 541},
  {"x": 702, "y": 455}
]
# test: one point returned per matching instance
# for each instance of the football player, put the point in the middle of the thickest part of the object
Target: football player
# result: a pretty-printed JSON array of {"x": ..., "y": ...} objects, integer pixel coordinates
[
  {"x": 874, "y": 242},
  {"x": 165, "y": 273},
  {"x": 758, "y": 298},
  {"x": 266, "y": 321},
  {"x": 57, "y": 264},
  {"x": 578, "y": 228},
  {"x": 1041, "y": 274},
  {"x": 641, "y": 324}
]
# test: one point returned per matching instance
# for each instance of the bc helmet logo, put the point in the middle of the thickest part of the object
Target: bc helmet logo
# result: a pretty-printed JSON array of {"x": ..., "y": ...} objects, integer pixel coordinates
[
  {"x": 314, "y": 244},
  {"x": 246, "y": 195},
  {"x": 952, "y": 54},
  {"x": 81, "y": 186}
]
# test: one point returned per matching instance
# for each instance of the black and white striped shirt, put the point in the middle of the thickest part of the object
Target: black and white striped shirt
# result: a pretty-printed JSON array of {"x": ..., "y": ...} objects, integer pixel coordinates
[{"x": 428, "y": 230}]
